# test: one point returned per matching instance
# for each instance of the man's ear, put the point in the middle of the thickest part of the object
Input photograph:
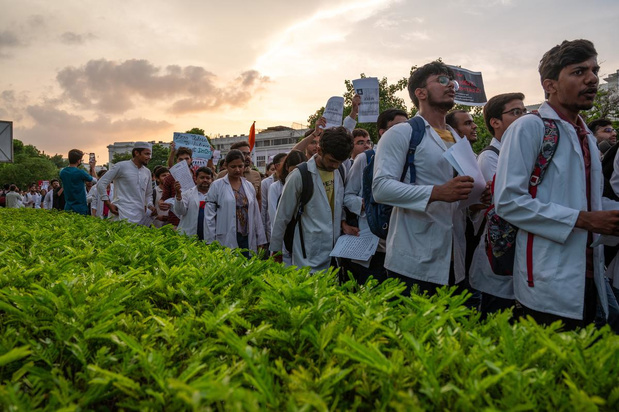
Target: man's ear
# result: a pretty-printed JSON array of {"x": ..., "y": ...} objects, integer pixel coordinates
[
  {"x": 421, "y": 93},
  {"x": 495, "y": 123},
  {"x": 550, "y": 86}
]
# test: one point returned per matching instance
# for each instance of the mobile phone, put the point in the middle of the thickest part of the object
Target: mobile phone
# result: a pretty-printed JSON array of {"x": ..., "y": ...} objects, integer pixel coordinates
[{"x": 92, "y": 158}]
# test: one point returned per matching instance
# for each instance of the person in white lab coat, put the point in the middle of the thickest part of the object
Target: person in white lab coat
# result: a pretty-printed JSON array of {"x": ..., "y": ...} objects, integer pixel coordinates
[
  {"x": 557, "y": 274},
  {"x": 353, "y": 200},
  {"x": 322, "y": 218},
  {"x": 425, "y": 243},
  {"x": 275, "y": 191},
  {"x": 497, "y": 292},
  {"x": 232, "y": 215},
  {"x": 189, "y": 206},
  {"x": 278, "y": 160},
  {"x": 133, "y": 191}
]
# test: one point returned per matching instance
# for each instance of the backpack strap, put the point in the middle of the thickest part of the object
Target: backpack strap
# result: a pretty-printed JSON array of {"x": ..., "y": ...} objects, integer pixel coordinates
[
  {"x": 490, "y": 148},
  {"x": 306, "y": 194},
  {"x": 419, "y": 129},
  {"x": 546, "y": 153}
]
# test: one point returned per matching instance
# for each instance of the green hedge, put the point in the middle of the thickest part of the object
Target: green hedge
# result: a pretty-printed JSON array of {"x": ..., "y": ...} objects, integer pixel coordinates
[{"x": 101, "y": 316}]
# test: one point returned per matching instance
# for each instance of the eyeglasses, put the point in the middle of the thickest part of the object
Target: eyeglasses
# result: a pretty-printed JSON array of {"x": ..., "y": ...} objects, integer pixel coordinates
[
  {"x": 516, "y": 112},
  {"x": 609, "y": 130},
  {"x": 444, "y": 81}
]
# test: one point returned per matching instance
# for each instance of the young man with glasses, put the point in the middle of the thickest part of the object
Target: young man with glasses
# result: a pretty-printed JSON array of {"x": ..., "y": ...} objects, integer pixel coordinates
[
  {"x": 557, "y": 273},
  {"x": 604, "y": 133},
  {"x": 497, "y": 292},
  {"x": 425, "y": 244}
]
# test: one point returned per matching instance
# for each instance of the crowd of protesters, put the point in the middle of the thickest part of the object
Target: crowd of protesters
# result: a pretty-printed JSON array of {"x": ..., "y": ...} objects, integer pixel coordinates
[{"x": 558, "y": 271}]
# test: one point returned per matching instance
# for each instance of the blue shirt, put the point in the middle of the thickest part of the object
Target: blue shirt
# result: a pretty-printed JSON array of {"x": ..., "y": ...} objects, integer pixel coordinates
[{"x": 74, "y": 190}]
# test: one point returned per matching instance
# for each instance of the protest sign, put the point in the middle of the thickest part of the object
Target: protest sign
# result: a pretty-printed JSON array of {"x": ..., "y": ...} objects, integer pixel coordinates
[
  {"x": 334, "y": 110},
  {"x": 367, "y": 88},
  {"x": 471, "y": 91},
  {"x": 199, "y": 144}
]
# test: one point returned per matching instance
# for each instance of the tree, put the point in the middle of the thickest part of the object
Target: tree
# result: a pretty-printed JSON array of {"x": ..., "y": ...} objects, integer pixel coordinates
[
  {"x": 119, "y": 157},
  {"x": 29, "y": 166},
  {"x": 197, "y": 130},
  {"x": 387, "y": 100},
  {"x": 605, "y": 106},
  {"x": 159, "y": 156}
]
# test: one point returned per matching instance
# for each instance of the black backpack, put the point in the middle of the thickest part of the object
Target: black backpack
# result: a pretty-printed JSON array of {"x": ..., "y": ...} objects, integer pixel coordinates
[{"x": 608, "y": 161}]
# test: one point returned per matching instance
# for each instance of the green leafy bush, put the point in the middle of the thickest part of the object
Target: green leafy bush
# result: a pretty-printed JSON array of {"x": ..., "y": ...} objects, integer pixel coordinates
[{"x": 100, "y": 316}]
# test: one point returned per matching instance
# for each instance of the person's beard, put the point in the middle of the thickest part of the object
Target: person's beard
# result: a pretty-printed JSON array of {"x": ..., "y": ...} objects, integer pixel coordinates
[{"x": 443, "y": 106}]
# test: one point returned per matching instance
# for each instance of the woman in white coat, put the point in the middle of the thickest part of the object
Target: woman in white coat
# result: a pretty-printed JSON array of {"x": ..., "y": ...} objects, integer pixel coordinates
[{"x": 231, "y": 215}]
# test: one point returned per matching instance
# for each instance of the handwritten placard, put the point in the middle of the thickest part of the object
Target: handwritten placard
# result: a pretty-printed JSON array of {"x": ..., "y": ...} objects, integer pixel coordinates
[{"x": 199, "y": 144}]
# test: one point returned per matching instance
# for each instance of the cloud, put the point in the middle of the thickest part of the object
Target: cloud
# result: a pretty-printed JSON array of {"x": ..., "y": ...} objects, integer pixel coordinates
[
  {"x": 115, "y": 87},
  {"x": 8, "y": 39},
  {"x": 75, "y": 38}
]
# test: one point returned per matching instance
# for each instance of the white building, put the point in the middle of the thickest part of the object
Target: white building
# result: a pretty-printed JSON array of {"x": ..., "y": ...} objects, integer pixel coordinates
[
  {"x": 126, "y": 147},
  {"x": 269, "y": 142}
]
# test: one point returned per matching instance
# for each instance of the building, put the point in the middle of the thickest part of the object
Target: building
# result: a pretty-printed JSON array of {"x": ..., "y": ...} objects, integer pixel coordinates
[
  {"x": 269, "y": 142},
  {"x": 612, "y": 82},
  {"x": 126, "y": 147}
]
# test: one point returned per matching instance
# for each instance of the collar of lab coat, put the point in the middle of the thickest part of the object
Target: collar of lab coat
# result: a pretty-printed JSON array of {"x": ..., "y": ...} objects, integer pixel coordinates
[{"x": 437, "y": 139}]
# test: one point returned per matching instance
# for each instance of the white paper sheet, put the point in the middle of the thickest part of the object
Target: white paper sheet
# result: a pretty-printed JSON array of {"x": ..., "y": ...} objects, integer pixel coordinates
[
  {"x": 368, "y": 89},
  {"x": 360, "y": 247},
  {"x": 334, "y": 110},
  {"x": 607, "y": 240},
  {"x": 148, "y": 220},
  {"x": 462, "y": 158},
  {"x": 182, "y": 174}
]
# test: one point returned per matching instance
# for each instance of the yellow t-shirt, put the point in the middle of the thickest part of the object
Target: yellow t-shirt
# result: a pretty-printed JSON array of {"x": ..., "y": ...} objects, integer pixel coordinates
[
  {"x": 445, "y": 135},
  {"x": 328, "y": 183}
]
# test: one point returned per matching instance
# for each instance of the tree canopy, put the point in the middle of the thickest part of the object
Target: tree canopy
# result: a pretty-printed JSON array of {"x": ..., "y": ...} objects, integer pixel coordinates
[{"x": 29, "y": 166}]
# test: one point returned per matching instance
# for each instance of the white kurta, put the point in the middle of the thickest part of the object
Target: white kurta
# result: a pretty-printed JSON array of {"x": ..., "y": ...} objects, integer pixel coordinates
[
  {"x": 321, "y": 227},
  {"x": 220, "y": 215},
  {"x": 421, "y": 234},
  {"x": 188, "y": 209},
  {"x": 133, "y": 190},
  {"x": 559, "y": 258},
  {"x": 48, "y": 200}
]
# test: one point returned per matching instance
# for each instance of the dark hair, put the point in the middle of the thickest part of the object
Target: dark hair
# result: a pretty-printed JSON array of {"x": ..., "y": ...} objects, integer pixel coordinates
[
  {"x": 220, "y": 164},
  {"x": 598, "y": 123},
  {"x": 360, "y": 132},
  {"x": 562, "y": 55},
  {"x": 450, "y": 119},
  {"x": 496, "y": 106},
  {"x": 387, "y": 116},
  {"x": 161, "y": 170},
  {"x": 238, "y": 145},
  {"x": 233, "y": 155},
  {"x": 279, "y": 157},
  {"x": 140, "y": 150},
  {"x": 184, "y": 150},
  {"x": 12, "y": 188},
  {"x": 75, "y": 156},
  {"x": 292, "y": 159},
  {"x": 337, "y": 142},
  {"x": 54, "y": 180},
  {"x": 99, "y": 173},
  {"x": 420, "y": 76},
  {"x": 204, "y": 169},
  {"x": 268, "y": 165}
]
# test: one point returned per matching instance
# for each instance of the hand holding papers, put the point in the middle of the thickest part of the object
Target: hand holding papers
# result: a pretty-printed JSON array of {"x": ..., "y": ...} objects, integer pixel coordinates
[
  {"x": 182, "y": 174},
  {"x": 334, "y": 110},
  {"x": 360, "y": 247},
  {"x": 462, "y": 158}
]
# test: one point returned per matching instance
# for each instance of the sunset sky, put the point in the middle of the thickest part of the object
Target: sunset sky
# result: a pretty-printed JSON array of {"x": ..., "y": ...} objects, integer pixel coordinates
[{"x": 84, "y": 74}]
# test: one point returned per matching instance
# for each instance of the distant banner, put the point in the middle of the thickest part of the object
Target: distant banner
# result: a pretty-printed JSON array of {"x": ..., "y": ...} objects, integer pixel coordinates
[
  {"x": 334, "y": 110},
  {"x": 200, "y": 146},
  {"x": 471, "y": 91},
  {"x": 367, "y": 88}
]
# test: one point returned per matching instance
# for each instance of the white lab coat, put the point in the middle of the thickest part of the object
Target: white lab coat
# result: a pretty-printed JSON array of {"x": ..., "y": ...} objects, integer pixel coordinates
[
  {"x": 96, "y": 202},
  {"x": 321, "y": 228},
  {"x": 220, "y": 215},
  {"x": 264, "y": 211},
  {"x": 187, "y": 209},
  {"x": 421, "y": 234},
  {"x": 48, "y": 200},
  {"x": 613, "y": 269},
  {"x": 559, "y": 258}
]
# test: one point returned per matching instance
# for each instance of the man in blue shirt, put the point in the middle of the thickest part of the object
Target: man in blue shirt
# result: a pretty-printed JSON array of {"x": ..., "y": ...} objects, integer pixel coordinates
[{"x": 73, "y": 179}]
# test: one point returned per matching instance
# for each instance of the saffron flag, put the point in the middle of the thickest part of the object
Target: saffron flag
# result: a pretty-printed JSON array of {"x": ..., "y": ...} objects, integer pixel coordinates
[{"x": 252, "y": 136}]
